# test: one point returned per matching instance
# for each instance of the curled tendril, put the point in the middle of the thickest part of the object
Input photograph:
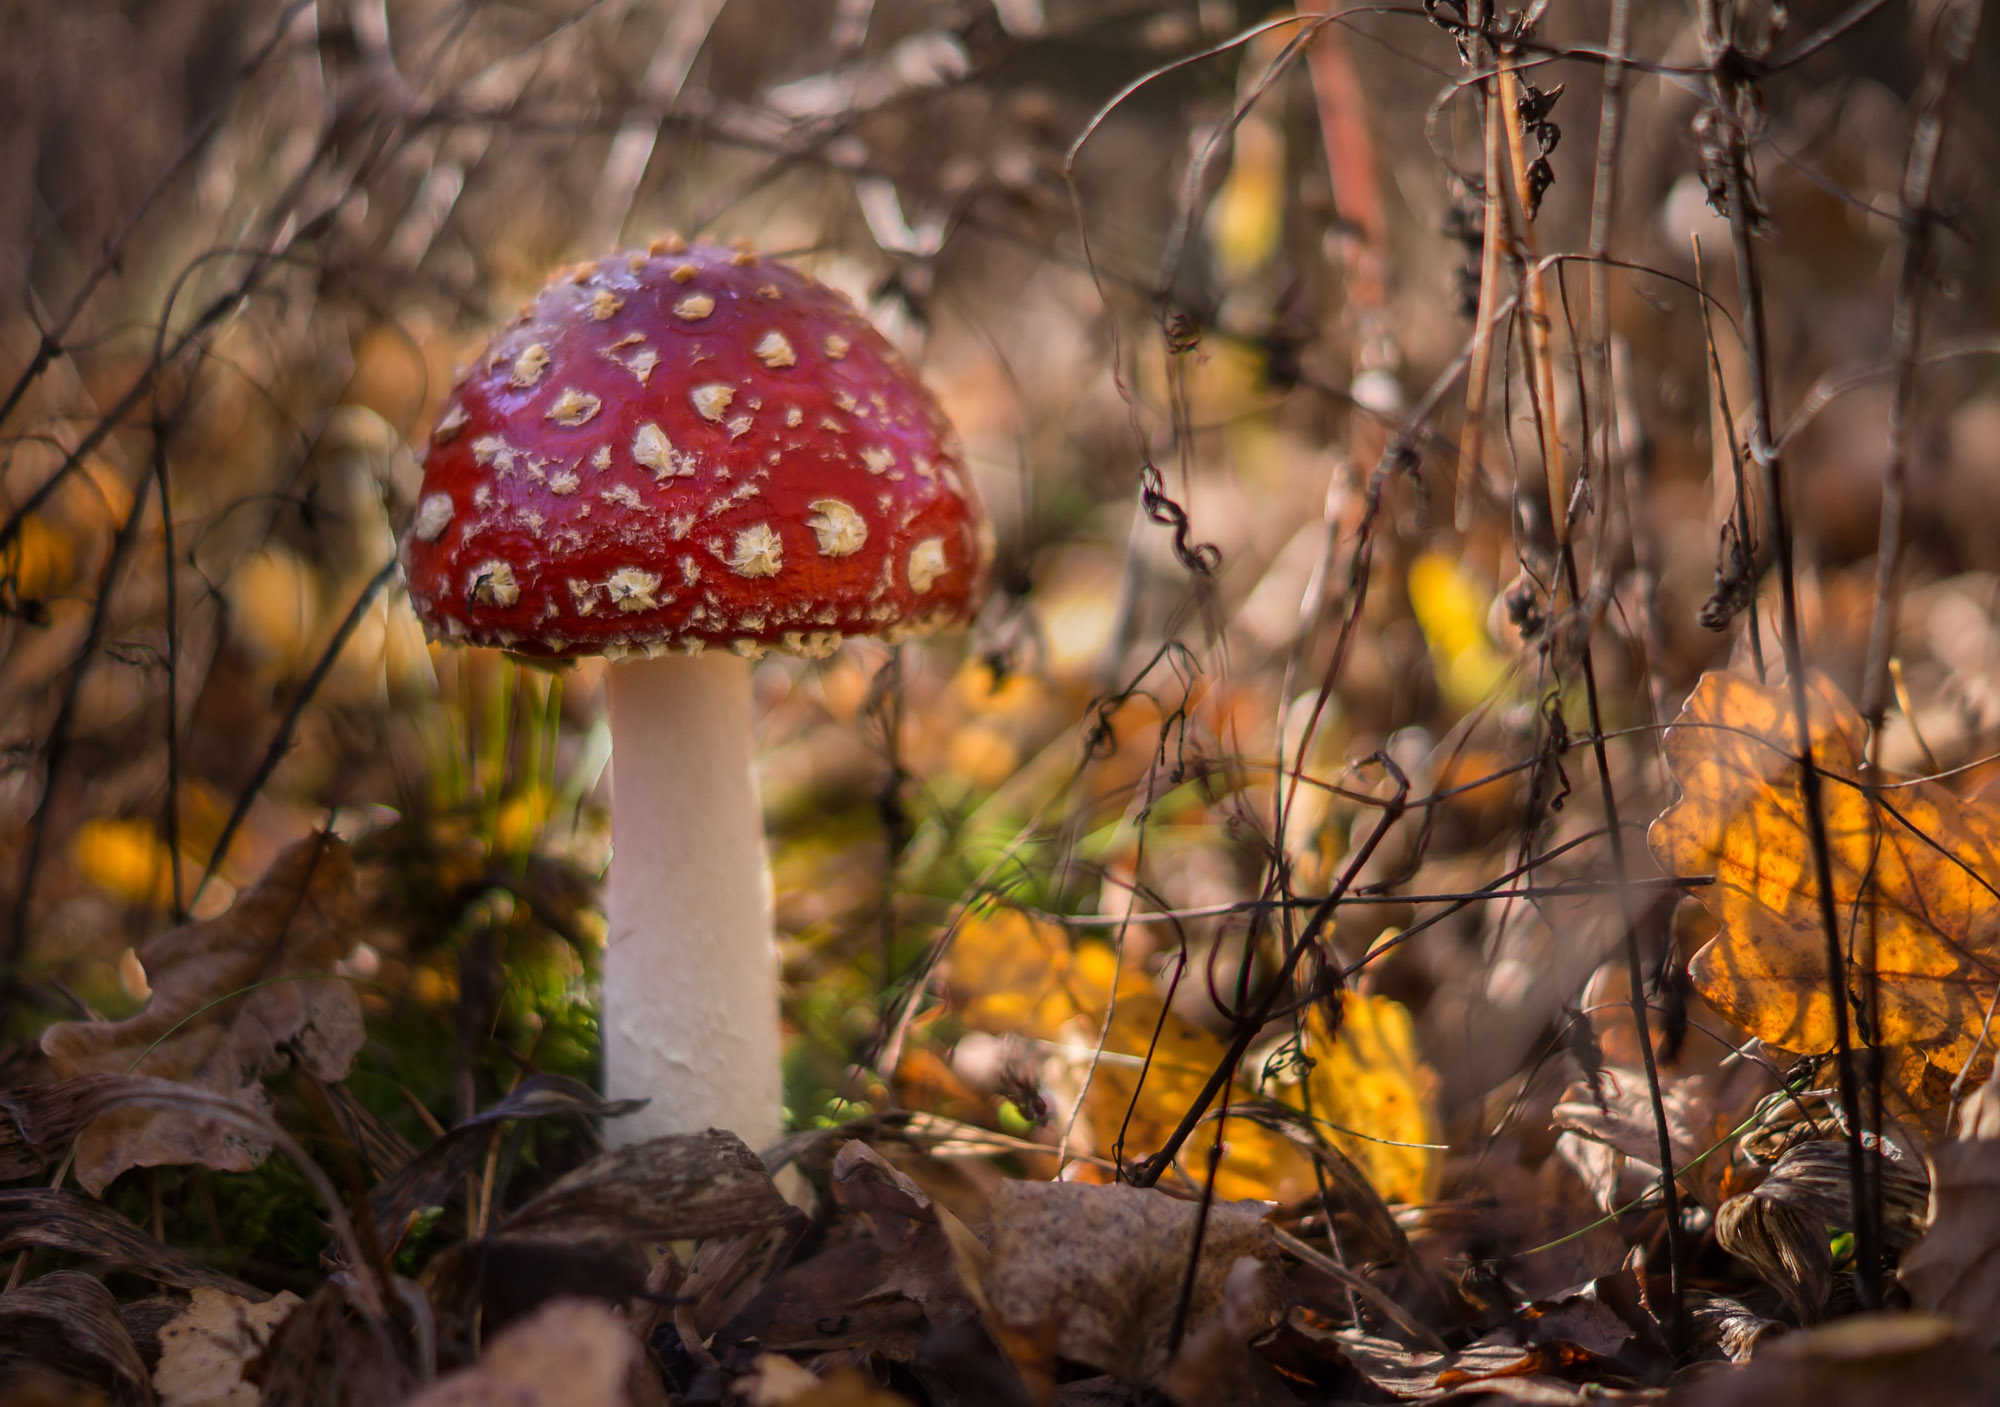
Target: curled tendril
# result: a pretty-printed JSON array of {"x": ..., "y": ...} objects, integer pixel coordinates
[{"x": 1201, "y": 558}]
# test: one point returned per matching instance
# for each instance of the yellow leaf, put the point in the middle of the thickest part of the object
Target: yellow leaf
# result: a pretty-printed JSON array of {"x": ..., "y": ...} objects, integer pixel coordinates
[
  {"x": 37, "y": 562},
  {"x": 1914, "y": 870},
  {"x": 1246, "y": 219},
  {"x": 1020, "y": 975},
  {"x": 274, "y": 607},
  {"x": 1017, "y": 975},
  {"x": 1372, "y": 1095},
  {"x": 521, "y": 819},
  {"x": 123, "y": 856},
  {"x": 1452, "y": 614}
]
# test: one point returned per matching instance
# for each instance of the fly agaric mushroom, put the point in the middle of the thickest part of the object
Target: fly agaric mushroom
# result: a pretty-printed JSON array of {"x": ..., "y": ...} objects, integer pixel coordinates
[{"x": 682, "y": 458}]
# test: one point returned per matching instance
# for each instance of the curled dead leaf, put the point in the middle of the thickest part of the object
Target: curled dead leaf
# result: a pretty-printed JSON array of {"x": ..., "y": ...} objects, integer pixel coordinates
[
  {"x": 64, "y": 1327},
  {"x": 1863, "y": 1361},
  {"x": 682, "y": 1187},
  {"x": 234, "y": 998},
  {"x": 426, "y": 1179},
  {"x": 1107, "y": 1264},
  {"x": 52, "y": 1218},
  {"x": 1785, "y": 1245}
]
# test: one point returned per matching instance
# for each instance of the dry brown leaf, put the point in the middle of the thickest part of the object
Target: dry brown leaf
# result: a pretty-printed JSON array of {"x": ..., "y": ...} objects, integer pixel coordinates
[
  {"x": 66, "y": 1328},
  {"x": 234, "y": 999},
  {"x": 1785, "y": 1245},
  {"x": 683, "y": 1187},
  {"x": 56, "y": 1219},
  {"x": 1700, "y": 1112},
  {"x": 1955, "y": 1269},
  {"x": 1914, "y": 865},
  {"x": 204, "y": 1350},
  {"x": 325, "y": 1355},
  {"x": 1416, "y": 1373},
  {"x": 568, "y": 1353},
  {"x": 1107, "y": 1265},
  {"x": 1215, "y": 1363}
]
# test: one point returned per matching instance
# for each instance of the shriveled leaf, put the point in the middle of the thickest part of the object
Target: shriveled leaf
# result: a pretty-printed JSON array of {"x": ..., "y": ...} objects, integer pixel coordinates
[
  {"x": 42, "y": 1121},
  {"x": 936, "y": 1256},
  {"x": 1727, "y": 1328},
  {"x": 1785, "y": 1245},
  {"x": 1415, "y": 1373},
  {"x": 1697, "y": 1118},
  {"x": 569, "y": 1353},
  {"x": 900, "y": 1277},
  {"x": 48, "y": 1218},
  {"x": 167, "y": 1099},
  {"x": 204, "y": 1350},
  {"x": 1814, "y": 1177},
  {"x": 483, "y": 1285},
  {"x": 66, "y": 1325},
  {"x": 427, "y": 1179},
  {"x": 679, "y": 1188},
  {"x": 1915, "y": 866},
  {"x": 235, "y": 998},
  {"x": 1107, "y": 1265},
  {"x": 729, "y": 1271}
]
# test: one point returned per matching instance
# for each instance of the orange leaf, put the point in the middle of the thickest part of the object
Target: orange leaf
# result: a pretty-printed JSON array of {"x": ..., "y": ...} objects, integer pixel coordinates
[{"x": 1914, "y": 870}]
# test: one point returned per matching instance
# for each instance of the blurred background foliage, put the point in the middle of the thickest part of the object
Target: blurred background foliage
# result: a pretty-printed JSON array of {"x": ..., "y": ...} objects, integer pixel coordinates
[{"x": 244, "y": 244}]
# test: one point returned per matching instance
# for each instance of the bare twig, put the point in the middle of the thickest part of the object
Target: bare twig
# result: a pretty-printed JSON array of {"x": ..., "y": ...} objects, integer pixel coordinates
[
  {"x": 1733, "y": 107},
  {"x": 1957, "y": 26}
]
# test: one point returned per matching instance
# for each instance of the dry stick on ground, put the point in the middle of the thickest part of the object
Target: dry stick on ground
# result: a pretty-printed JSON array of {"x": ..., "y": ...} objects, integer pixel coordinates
[
  {"x": 1957, "y": 28},
  {"x": 1472, "y": 442},
  {"x": 1734, "y": 107},
  {"x": 1722, "y": 418},
  {"x": 1618, "y": 422},
  {"x": 1587, "y": 607},
  {"x": 170, "y": 819}
]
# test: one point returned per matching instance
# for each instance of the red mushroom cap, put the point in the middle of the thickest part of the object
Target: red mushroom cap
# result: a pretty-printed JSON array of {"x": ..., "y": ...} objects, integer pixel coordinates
[{"x": 692, "y": 446}]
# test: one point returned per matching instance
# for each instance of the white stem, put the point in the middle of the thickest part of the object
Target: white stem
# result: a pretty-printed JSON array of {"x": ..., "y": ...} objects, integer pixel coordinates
[{"x": 690, "y": 973}]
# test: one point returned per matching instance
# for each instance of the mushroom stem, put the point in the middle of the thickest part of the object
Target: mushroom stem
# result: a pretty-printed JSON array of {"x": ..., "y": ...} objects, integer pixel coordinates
[{"x": 690, "y": 971}]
